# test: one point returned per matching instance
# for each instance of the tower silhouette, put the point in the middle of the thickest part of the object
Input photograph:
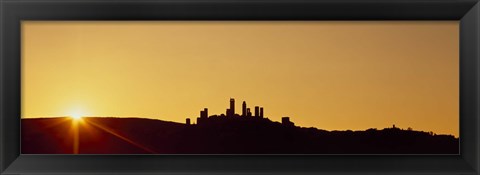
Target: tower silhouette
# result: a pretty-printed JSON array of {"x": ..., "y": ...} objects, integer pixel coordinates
[
  {"x": 261, "y": 112},
  {"x": 203, "y": 116},
  {"x": 257, "y": 111},
  {"x": 232, "y": 107},
  {"x": 244, "y": 109},
  {"x": 204, "y": 113}
]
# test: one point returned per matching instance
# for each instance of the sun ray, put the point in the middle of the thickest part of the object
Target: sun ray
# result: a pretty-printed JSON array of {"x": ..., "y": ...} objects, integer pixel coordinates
[
  {"x": 76, "y": 136},
  {"x": 60, "y": 121},
  {"x": 119, "y": 136}
]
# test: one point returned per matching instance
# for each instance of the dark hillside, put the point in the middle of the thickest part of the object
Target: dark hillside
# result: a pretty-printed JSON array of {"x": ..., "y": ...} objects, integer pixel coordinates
[{"x": 219, "y": 135}]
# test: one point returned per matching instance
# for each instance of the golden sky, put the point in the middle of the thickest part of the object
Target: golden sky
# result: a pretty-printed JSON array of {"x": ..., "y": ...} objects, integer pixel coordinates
[{"x": 326, "y": 74}]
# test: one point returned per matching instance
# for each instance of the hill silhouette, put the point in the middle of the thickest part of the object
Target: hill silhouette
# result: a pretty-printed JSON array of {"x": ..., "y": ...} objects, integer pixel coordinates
[{"x": 219, "y": 135}]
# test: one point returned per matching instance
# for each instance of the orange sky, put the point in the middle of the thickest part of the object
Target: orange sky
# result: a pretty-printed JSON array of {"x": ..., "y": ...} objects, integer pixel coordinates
[{"x": 329, "y": 75}]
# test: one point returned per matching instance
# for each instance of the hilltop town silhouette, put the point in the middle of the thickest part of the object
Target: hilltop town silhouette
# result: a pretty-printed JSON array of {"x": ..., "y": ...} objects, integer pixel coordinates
[
  {"x": 230, "y": 112},
  {"x": 228, "y": 133}
]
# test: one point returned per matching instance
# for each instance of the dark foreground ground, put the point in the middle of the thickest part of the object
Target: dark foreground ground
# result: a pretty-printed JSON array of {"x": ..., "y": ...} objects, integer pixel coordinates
[{"x": 220, "y": 135}]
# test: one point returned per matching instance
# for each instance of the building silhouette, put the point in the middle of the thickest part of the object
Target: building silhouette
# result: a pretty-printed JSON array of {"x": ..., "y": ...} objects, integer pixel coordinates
[
  {"x": 187, "y": 121},
  {"x": 286, "y": 121},
  {"x": 203, "y": 116},
  {"x": 261, "y": 112},
  {"x": 249, "y": 113},
  {"x": 232, "y": 107},
  {"x": 257, "y": 111},
  {"x": 244, "y": 109},
  {"x": 204, "y": 113}
]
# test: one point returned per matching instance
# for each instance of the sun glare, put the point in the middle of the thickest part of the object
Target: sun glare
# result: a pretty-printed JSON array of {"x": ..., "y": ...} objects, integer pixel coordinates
[{"x": 76, "y": 116}]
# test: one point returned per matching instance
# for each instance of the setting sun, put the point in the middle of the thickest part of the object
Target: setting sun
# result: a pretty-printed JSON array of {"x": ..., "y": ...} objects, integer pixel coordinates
[{"x": 76, "y": 116}]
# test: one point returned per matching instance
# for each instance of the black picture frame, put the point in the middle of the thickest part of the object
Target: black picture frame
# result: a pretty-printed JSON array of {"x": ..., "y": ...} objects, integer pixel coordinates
[{"x": 14, "y": 11}]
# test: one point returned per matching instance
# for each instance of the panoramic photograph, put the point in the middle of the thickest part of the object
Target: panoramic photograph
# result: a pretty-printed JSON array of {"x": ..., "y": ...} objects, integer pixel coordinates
[{"x": 240, "y": 87}]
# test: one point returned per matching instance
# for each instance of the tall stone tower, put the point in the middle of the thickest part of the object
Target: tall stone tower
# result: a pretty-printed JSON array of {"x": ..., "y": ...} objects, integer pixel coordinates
[
  {"x": 244, "y": 109},
  {"x": 232, "y": 106},
  {"x": 261, "y": 112}
]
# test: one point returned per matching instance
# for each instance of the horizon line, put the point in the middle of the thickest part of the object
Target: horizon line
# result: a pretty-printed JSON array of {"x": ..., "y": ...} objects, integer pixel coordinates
[{"x": 130, "y": 117}]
